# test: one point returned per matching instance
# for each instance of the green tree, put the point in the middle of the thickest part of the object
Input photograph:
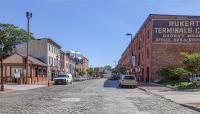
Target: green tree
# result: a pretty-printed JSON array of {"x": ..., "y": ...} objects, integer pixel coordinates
[
  {"x": 172, "y": 73},
  {"x": 108, "y": 67},
  {"x": 12, "y": 35},
  {"x": 191, "y": 62},
  {"x": 121, "y": 70},
  {"x": 90, "y": 71},
  {"x": 81, "y": 72}
]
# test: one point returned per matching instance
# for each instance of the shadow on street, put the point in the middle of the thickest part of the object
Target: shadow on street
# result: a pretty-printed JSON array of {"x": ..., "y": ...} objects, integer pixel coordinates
[{"x": 111, "y": 84}]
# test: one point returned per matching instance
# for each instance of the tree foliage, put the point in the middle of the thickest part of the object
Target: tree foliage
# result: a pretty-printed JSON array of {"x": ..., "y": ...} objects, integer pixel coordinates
[
  {"x": 120, "y": 70},
  {"x": 81, "y": 72},
  {"x": 172, "y": 73},
  {"x": 191, "y": 62},
  {"x": 90, "y": 71},
  {"x": 11, "y": 35}
]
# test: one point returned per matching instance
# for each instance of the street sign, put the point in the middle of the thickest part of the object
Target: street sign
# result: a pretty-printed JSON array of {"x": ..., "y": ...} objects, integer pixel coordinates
[
  {"x": 137, "y": 69},
  {"x": 133, "y": 60}
]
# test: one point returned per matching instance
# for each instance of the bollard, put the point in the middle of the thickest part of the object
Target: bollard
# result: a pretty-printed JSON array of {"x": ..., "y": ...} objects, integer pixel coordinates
[{"x": 48, "y": 83}]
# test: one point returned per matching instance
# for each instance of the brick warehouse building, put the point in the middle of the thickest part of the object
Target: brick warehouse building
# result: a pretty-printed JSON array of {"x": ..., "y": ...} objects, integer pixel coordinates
[{"x": 158, "y": 44}]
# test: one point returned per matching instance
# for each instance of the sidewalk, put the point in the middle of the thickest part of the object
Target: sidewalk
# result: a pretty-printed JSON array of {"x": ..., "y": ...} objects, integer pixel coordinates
[
  {"x": 185, "y": 98},
  {"x": 15, "y": 87},
  {"x": 6, "y": 91},
  {"x": 22, "y": 87}
]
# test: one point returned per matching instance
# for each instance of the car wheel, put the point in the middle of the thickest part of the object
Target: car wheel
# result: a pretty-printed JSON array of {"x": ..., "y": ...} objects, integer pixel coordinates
[
  {"x": 66, "y": 83},
  {"x": 120, "y": 85},
  {"x": 71, "y": 82}
]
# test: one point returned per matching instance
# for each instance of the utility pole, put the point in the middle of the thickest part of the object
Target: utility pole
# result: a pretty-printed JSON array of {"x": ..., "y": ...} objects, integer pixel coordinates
[
  {"x": 75, "y": 63},
  {"x": 2, "y": 46},
  {"x": 131, "y": 50},
  {"x": 28, "y": 16}
]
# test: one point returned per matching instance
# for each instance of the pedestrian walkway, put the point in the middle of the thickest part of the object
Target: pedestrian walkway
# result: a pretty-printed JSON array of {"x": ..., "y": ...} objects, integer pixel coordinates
[
  {"x": 183, "y": 97},
  {"x": 21, "y": 87},
  {"x": 6, "y": 91},
  {"x": 9, "y": 87}
]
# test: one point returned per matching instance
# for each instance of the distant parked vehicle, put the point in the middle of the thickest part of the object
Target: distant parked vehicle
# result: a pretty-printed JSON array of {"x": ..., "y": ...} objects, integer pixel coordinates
[
  {"x": 128, "y": 80},
  {"x": 196, "y": 78},
  {"x": 84, "y": 78},
  {"x": 80, "y": 78},
  {"x": 63, "y": 79}
]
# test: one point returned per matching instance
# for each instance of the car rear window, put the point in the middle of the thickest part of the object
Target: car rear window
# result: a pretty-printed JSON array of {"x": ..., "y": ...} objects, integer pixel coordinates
[
  {"x": 62, "y": 76},
  {"x": 129, "y": 77}
]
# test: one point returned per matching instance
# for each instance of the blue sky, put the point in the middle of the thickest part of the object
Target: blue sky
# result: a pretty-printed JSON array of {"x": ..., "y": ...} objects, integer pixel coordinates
[{"x": 96, "y": 28}]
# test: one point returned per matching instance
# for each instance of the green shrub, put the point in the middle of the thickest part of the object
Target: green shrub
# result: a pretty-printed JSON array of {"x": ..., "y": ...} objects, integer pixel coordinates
[
  {"x": 172, "y": 73},
  {"x": 189, "y": 85}
]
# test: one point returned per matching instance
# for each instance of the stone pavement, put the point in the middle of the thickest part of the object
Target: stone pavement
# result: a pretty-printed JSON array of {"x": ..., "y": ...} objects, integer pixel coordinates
[
  {"x": 98, "y": 96},
  {"x": 187, "y": 98}
]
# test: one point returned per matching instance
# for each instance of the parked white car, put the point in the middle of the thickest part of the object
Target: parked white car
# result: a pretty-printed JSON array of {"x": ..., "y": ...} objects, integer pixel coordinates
[{"x": 63, "y": 79}]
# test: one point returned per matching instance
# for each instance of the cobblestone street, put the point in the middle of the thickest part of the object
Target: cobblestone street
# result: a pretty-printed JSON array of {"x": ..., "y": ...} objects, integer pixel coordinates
[{"x": 92, "y": 96}]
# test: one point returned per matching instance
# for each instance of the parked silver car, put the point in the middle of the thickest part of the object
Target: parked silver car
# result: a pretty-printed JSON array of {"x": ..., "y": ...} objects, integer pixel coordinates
[{"x": 128, "y": 80}]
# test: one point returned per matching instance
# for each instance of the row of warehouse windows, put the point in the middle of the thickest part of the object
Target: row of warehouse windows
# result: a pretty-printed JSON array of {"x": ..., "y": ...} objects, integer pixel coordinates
[
  {"x": 142, "y": 56},
  {"x": 138, "y": 46},
  {"x": 142, "y": 40}
]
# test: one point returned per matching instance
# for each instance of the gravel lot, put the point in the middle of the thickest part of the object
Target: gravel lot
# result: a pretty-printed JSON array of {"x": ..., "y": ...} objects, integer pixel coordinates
[{"x": 88, "y": 97}]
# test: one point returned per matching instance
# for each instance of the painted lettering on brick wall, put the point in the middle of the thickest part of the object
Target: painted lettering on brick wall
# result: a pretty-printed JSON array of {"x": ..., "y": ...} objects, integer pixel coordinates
[{"x": 176, "y": 31}]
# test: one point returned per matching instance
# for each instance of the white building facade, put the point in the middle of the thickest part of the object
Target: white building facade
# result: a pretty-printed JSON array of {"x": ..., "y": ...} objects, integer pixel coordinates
[{"x": 46, "y": 50}]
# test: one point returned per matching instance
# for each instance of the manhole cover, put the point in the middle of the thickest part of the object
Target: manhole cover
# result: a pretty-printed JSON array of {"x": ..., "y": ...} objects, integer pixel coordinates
[
  {"x": 49, "y": 98},
  {"x": 70, "y": 99}
]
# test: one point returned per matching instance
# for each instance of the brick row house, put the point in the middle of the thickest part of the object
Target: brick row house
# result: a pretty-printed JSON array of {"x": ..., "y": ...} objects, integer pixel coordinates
[
  {"x": 46, "y": 60},
  {"x": 158, "y": 44},
  {"x": 77, "y": 61},
  {"x": 14, "y": 67}
]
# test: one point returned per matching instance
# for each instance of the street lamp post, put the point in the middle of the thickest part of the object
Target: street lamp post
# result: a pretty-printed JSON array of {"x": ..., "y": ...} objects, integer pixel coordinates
[
  {"x": 129, "y": 34},
  {"x": 2, "y": 46},
  {"x": 133, "y": 58},
  {"x": 57, "y": 63},
  {"x": 28, "y": 16}
]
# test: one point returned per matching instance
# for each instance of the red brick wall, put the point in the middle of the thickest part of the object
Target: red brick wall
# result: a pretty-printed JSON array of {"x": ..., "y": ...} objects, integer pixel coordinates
[
  {"x": 164, "y": 55},
  {"x": 160, "y": 55}
]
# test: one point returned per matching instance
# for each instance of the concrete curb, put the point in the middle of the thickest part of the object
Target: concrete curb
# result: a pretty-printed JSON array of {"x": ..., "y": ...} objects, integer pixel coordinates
[
  {"x": 164, "y": 86},
  {"x": 184, "y": 105},
  {"x": 191, "y": 107},
  {"x": 187, "y": 90}
]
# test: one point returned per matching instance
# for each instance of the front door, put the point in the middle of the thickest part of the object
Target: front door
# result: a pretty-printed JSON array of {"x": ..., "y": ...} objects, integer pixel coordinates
[{"x": 52, "y": 75}]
